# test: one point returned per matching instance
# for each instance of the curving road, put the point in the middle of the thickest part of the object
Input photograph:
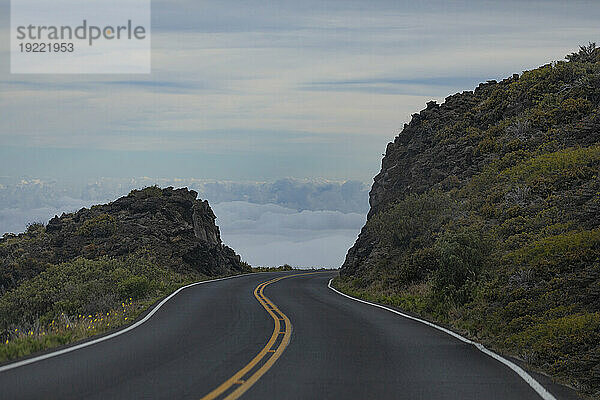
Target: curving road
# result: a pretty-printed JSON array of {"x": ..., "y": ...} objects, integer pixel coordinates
[{"x": 271, "y": 336}]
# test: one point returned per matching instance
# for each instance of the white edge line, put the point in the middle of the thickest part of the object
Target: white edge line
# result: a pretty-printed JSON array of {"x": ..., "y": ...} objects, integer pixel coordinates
[
  {"x": 535, "y": 385},
  {"x": 114, "y": 334}
]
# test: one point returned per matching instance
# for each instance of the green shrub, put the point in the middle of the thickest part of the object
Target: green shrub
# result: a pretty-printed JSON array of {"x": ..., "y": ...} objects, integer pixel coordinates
[
  {"x": 553, "y": 343},
  {"x": 103, "y": 225},
  {"x": 412, "y": 221},
  {"x": 135, "y": 287},
  {"x": 570, "y": 162},
  {"x": 461, "y": 258},
  {"x": 554, "y": 253}
]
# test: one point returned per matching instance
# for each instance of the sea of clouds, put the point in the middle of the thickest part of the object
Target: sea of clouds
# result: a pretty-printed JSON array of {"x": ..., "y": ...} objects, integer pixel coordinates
[{"x": 305, "y": 223}]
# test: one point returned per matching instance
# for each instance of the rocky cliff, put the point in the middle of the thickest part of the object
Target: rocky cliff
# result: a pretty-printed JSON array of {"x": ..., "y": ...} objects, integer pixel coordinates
[
  {"x": 486, "y": 216},
  {"x": 170, "y": 225}
]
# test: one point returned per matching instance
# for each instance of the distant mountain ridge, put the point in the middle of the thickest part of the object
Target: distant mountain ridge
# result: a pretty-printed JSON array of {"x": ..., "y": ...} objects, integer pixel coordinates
[{"x": 486, "y": 216}]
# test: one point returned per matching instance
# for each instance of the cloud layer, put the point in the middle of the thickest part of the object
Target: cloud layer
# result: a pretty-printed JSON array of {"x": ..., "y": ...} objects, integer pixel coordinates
[
  {"x": 305, "y": 223},
  {"x": 271, "y": 235}
]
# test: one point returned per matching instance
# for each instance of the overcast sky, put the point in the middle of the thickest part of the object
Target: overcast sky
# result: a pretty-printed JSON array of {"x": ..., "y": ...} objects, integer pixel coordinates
[
  {"x": 258, "y": 91},
  {"x": 263, "y": 90}
]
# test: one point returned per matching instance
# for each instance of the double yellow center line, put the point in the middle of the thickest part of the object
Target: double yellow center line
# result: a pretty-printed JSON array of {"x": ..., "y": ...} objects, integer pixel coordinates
[{"x": 242, "y": 380}]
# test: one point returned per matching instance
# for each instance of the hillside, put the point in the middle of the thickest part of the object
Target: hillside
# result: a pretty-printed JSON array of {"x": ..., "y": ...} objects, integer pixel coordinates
[
  {"x": 88, "y": 271},
  {"x": 486, "y": 217}
]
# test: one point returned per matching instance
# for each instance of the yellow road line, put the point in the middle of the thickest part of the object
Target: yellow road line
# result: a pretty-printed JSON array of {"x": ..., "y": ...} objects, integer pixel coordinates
[{"x": 278, "y": 316}]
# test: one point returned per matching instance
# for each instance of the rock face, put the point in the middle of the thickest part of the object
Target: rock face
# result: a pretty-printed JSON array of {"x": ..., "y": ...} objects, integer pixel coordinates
[
  {"x": 417, "y": 161},
  {"x": 170, "y": 225}
]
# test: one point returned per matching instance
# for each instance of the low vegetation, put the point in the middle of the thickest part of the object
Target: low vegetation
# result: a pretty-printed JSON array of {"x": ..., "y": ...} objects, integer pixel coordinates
[
  {"x": 81, "y": 298},
  {"x": 281, "y": 268}
]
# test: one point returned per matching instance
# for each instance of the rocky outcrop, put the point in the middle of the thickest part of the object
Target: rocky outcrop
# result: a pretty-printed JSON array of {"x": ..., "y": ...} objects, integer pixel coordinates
[
  {"x": 205, "y": 228},
  {"x": 445, "y": 145},
  {"x": 170, "y": 225}
]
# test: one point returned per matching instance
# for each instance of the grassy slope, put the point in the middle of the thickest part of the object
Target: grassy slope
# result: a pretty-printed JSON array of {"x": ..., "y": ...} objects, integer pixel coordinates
[
  {"x": 81, "y": 298},
  {"x": 512, "y": 256}
]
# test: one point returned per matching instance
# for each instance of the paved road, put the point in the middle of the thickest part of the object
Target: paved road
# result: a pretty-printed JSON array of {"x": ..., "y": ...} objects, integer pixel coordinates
[{"x": 338, "y": 349}]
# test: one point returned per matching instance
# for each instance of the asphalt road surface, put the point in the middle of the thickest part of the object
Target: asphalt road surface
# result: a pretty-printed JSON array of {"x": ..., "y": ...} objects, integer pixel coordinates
[{"x": 290, "y": 337}]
